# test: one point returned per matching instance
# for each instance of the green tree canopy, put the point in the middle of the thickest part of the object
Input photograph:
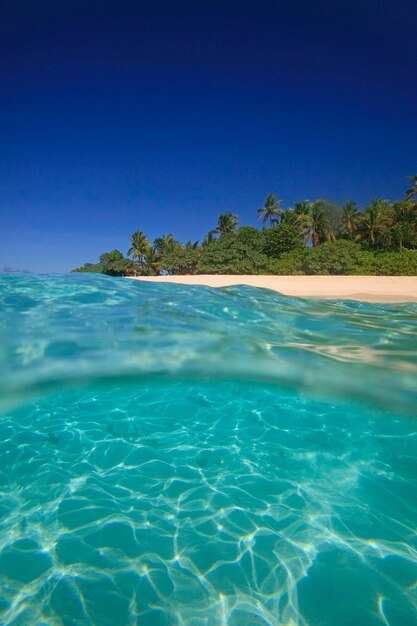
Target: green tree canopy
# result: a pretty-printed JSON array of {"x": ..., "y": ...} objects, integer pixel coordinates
[
  {"x": 115, "y": 264},
  {"x": 95, "y": 268},
  {"x": 234, "y": 253},
  {"x": 182, "y": 260},
  {"x": 381, "y": 238},
  {"x": 340, "y": 257},
  {"x": 281, "y": 238}
]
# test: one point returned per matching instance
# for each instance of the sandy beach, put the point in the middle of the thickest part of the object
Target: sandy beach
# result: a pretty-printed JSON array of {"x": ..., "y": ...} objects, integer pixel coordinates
[{"x": 364, "y": 288}]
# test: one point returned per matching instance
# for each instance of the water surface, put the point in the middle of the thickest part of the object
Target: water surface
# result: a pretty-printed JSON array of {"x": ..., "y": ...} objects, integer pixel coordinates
[{"x": 183, "y": 455}]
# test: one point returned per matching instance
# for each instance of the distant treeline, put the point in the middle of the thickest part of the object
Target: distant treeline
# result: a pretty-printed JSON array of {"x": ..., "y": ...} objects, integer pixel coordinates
[{"x": 318, "y": 237}]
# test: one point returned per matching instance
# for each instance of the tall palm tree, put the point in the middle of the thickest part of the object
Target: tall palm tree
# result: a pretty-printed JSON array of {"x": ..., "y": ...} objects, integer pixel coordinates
[
  {"x": 271, "y": 210},
  {"x": 401, "y": 227},
  {"x": 165, "y": 244},
  {"x": 412, "y": 192},
  {"x": 376, "y": 218},
  {"x": 139, "y": 248},
  {"x": 320, "y": 229},
  {"x": 350, "y": 218},
  {"x": 405, "y": 211},
  {"x": 289, "y": 217},
  {"x": 302, "y": 212},
  {"x": 227, "y": 223},
  {"x": 152, "y": 263},
  {"x": 313, "y": 223},
  {"x": 139, "y": 245},
  {"x": 302, "y": 208}
]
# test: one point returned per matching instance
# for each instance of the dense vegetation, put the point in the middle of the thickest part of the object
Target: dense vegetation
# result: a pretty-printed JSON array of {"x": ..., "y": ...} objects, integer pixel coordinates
[{"x": 318, "y": 237}]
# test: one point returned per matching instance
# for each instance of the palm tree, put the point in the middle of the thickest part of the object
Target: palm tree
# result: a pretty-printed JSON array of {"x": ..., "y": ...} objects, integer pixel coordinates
[
  {"x": 399, "y": 235},
  {"x": 227, "y": 223},
  {"x": 412, "y": 192},
  {"x": 209, "y": 238},
  {"x": 401, "y": 227},
  {"x": 271, "y": 210},
  {"x": 404, "y": 211},
  {"x": 302, "y": 212},
  {"x": 139, "y": 245},
  {"x": 375, "y": 220},
  {"x": 320, "y": 229},
  {"x": 190, "y": 245},
  {"x": 302, "y": 208},
  {"x": 152, "y": 264},
  {"x": 313, "y": 223},
  {"x": 350, "y": 218},
  {"x": 165, "y": 244},
  {"x": 289, "y": 217}
]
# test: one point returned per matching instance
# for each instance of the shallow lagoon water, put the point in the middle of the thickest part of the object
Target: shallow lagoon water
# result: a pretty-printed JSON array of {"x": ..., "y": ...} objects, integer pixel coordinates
[{"x": 175, "y": 455}]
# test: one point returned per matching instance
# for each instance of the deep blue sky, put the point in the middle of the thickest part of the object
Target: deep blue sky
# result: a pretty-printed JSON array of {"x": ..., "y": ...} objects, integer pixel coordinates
[{"x": 118, "y": 115}]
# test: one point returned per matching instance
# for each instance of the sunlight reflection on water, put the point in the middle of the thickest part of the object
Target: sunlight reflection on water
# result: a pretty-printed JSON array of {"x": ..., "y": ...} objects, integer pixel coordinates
[{"x": 175, "y": 455}]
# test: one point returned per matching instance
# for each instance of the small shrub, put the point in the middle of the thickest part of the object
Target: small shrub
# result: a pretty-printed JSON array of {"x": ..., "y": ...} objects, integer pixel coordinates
[
  {"x": 280, "y": 239},
  {"x": 339, "y": 258},
  {"x": 400, "y": 263},
  {"x": 232, "y": 254},
  {"x": 288, "y": 264},
  {"x": 181, "y": 260}
]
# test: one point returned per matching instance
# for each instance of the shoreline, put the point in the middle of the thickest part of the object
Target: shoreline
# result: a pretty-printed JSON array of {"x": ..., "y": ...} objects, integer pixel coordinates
[{"x": 388, "y": 289}]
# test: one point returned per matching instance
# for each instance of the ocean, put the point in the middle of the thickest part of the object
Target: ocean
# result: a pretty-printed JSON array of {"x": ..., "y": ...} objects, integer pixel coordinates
[{"x": 175, "y": 455}]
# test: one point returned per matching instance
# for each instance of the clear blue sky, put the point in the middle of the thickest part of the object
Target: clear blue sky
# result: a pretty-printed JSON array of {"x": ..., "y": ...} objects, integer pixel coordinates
[{"x": 124, "y": 115}]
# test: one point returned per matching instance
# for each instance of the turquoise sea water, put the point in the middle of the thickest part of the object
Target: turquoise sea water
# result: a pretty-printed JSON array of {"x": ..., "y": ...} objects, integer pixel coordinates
[{"x": 183, "y": 455}]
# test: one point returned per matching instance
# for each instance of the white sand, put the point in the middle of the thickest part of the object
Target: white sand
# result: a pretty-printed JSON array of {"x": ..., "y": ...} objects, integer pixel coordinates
[{"x": 365, "y": 288}]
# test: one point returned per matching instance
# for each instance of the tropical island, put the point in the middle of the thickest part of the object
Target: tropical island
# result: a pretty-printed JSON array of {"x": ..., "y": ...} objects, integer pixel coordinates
[{"x": 320, "y": 237}]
